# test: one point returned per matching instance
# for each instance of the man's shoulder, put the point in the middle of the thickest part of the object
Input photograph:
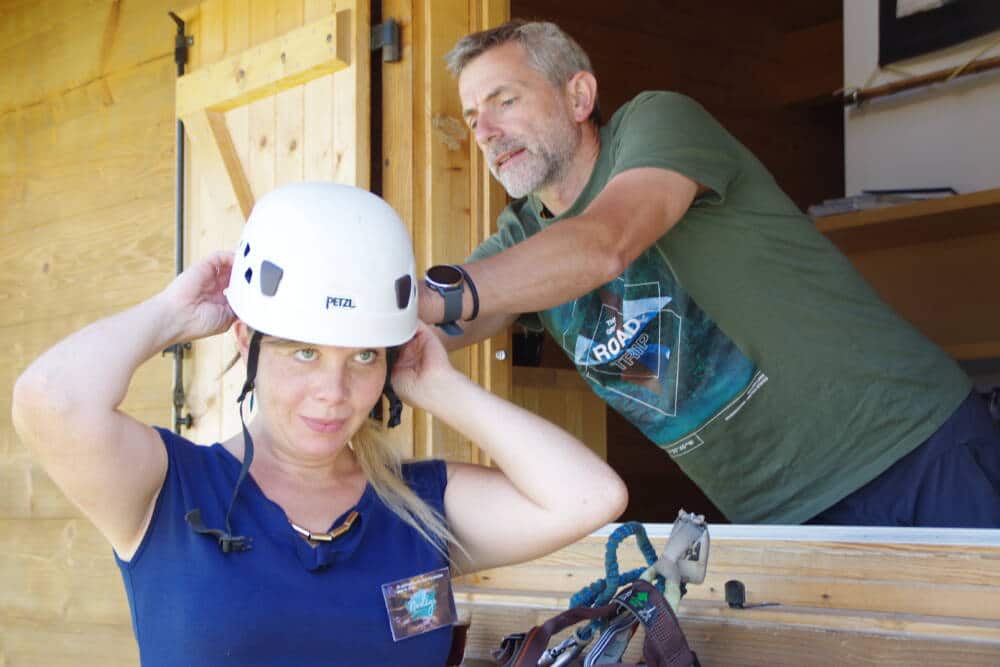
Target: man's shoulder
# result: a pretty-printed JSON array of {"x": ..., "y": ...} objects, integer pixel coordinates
[{"x": 655, "y": 101}]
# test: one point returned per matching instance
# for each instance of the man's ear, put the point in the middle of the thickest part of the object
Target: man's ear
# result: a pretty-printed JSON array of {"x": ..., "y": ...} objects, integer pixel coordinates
[{"x": 581, "y": 91}]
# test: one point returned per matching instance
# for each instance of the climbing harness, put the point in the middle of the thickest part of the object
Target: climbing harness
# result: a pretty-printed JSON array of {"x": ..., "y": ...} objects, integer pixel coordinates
[{"x": 618, "y": 604}]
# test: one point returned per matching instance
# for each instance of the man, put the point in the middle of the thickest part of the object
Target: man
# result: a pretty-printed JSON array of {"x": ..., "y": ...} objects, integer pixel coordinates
[{"x": 698, "y": 301}]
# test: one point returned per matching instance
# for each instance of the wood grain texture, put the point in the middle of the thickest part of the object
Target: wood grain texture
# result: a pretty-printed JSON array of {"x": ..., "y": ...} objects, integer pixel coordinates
[
  {"x": 563, "y": 397},
  {"x": 289, "y": 60}
]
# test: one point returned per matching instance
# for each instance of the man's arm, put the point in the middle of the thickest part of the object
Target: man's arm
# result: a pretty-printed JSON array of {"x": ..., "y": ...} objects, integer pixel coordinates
[
  {"x": 483, "y": 327},
  {"x": 574, "y": 256}
]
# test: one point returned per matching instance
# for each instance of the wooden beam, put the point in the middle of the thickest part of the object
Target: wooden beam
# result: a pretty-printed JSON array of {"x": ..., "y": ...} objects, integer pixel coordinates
[
  {"x": 322, "y": 47},
  {"x": 210, "y": 137},
  {"x": 957, "y": 580},
  {"x": 771, "y": 636}
]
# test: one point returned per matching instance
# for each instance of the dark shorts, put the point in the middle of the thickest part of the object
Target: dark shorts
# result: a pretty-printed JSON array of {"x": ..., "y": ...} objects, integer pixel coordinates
[{"x": 951, "y": 480}]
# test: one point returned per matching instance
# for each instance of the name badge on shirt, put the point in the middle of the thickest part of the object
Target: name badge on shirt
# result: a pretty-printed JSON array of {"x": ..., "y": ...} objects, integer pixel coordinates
[{"x": 419, "y": 604}]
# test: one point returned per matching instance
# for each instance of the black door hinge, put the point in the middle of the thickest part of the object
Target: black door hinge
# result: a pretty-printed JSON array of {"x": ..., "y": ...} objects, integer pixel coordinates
[{"x": 385, "y": 36}]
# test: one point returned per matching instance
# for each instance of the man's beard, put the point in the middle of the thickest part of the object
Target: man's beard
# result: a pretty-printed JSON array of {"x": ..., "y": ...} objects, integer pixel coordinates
[{"x": 541, "y": 163}]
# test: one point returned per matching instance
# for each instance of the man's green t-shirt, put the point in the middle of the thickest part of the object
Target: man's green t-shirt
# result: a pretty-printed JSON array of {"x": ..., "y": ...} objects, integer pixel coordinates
[{"x": 743, "y": 343}]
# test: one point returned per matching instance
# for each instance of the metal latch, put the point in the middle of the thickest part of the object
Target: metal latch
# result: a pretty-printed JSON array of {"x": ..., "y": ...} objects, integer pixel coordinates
[{"x": 385, "y": 36}]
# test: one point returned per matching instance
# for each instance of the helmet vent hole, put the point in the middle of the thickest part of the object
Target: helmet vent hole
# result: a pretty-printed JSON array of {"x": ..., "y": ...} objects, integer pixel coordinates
[
  {"x": 246, "y": 249},
  {"x": 403, "y": 290},
  {"x": 248, "y": 275},
  {"x": 270, "y": 278}
]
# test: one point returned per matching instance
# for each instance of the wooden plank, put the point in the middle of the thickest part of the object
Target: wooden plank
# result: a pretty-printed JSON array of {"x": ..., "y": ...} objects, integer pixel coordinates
[
  {"x": 62, "y": 261},
  {"x": 262, "y": 115},
  {"x": 211, "y": 399},
  {"x": 945, "y": 289},
  {"x": 397, "y": 156},
  {"x": 564, "y": 398},
  {"x": 266, "y": 69},
  {"x": 943, "y": 580},
  {"x": 29, "y": 493},
  {"x": 61, "y": 158},
  {"x": 220, "y": 165},
  {"x": 59, "y": 571},
  {"x": 318, "y": 129},
  {"x": 724, "y": 636},
  {"x": 351, "y": 101},
  {"x": 443, "y": 223},
  {"x": 66, "y": 644},
  {"x": 289, "y": 110},
  {"x": 918, "y": 222},
  {"x": 492, "y": 359},
  {"x": 236, "y": 39},
  {"x": 82, "y": 44},
  {"x": 317, "y": 147}
]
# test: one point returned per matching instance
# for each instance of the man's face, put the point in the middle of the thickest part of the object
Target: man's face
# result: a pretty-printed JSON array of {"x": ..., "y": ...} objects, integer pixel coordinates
[{"x": 522, "y": 123}]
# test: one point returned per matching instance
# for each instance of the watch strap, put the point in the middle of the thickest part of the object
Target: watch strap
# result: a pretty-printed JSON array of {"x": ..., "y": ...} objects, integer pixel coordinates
[
  {"x": 452, "y": 303},
  {"x": 467, "y": 280},
  {"x": 450, "y": 328}
]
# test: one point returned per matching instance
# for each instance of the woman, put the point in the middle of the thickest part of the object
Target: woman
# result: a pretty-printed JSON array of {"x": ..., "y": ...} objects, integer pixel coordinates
[{"x": 302, "y": 540}]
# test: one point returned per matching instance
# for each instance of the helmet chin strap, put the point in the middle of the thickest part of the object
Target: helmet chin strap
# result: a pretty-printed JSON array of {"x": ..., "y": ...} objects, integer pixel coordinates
[
  {"x": 395, "y": 405},
  {"x": 227, "y": 541}
]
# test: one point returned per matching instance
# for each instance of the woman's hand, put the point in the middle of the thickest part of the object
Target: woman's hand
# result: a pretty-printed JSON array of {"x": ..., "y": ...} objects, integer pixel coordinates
[
  {"x": 195, "y": 299},
  {"x": 422, "y": 372}
]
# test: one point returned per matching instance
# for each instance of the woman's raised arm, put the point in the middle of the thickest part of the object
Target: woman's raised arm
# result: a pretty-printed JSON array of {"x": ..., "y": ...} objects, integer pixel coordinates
[
  {"x": 548, "y": 489},
  {"x": 65, "y": 405}
]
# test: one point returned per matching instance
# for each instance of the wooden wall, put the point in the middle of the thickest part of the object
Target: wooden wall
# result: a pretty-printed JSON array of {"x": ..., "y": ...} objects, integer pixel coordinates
[
  {"x": 562, "y": 396},
  {"x": 87, "y": 201},
  {"x": 87, "y": 193}
]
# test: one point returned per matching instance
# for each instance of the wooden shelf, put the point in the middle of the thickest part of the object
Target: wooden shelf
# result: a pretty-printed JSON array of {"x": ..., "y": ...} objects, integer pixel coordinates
[{"x": 920, "y": 222}]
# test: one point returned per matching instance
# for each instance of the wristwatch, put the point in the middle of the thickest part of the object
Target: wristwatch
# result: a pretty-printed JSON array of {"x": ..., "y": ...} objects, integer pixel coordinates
[{"x": 448, "y": 281}]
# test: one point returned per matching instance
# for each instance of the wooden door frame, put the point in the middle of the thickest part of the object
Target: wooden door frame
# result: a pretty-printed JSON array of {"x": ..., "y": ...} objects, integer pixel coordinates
[{"x": 434, "y": 176}]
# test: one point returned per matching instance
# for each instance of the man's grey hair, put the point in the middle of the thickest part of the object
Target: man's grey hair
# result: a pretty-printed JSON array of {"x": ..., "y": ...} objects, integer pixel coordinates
[{"x": 550, "y": 51}]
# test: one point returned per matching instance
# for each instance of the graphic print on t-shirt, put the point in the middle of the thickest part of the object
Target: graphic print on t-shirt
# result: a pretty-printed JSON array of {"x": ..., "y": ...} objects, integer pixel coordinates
[
  {"x": 623, "y": 343},
  {"x": 650, "y": 352}
]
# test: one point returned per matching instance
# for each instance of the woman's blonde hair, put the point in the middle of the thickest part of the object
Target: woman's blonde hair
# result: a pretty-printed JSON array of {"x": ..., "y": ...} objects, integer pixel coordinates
[{"x": 382, "y": 466}]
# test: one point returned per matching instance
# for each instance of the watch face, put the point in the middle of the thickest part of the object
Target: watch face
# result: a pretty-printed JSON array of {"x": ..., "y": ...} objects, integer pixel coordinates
[{"x": 444, "y": 275}]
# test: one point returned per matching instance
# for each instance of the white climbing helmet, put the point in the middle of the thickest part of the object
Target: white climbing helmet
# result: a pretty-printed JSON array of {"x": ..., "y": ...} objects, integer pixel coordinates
[{"x": 325, "y": 264}]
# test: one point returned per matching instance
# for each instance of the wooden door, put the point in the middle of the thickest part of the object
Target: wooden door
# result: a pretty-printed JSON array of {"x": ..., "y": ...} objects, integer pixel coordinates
[
  {"x": 276, "y": 92},
  {"x": 279, "y": 92}
]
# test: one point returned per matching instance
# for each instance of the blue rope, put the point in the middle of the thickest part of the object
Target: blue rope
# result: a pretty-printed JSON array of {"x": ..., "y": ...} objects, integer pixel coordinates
[{"x": 601, "y": 591}]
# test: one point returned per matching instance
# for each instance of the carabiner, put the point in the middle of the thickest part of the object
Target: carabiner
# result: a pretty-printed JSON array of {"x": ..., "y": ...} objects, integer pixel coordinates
[{"x": 562, "y": 653}]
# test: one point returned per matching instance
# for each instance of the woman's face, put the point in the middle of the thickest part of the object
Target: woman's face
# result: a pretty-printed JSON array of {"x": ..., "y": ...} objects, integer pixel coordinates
[{"x": 314, "y": 398}]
